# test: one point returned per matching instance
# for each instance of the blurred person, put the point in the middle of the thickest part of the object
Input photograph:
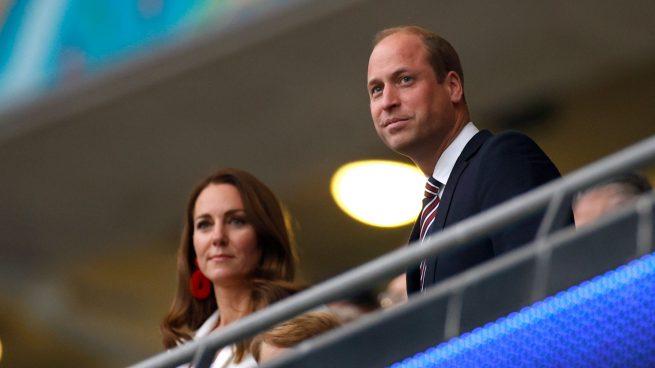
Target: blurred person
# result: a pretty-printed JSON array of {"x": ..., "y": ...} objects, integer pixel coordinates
[
  {"x": 416, "y": 89},
  {"x": 352, "y": 308},
  {"x": 395, "y": 293},
  {"x": 600, "y": 199},
  {"x": 236, "y": 256},
  {"x": 284, "y": 336}
]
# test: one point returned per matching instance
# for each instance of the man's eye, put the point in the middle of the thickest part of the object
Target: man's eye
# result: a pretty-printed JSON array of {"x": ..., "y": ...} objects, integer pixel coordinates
[
  {"x": 375, "y": 90},
  {"x": 406, "y": 79}
]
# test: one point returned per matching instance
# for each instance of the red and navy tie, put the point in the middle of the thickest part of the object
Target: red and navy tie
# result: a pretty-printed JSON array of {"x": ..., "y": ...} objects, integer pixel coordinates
[{"x": 428, "y": 214}]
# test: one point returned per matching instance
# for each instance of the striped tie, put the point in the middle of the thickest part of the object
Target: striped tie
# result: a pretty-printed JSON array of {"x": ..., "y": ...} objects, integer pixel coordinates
[{"x": 428, "y": 214}]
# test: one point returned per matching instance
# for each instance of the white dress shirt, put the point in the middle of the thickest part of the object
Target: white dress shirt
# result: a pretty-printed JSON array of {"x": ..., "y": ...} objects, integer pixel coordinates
[{"x": 448, "y": 158}]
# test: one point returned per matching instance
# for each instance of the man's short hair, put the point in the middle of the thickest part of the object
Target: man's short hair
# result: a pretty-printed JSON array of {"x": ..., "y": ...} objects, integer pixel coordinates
[
  {"x": 441, "y": 54},
  {"x": 292, "y": 332}
]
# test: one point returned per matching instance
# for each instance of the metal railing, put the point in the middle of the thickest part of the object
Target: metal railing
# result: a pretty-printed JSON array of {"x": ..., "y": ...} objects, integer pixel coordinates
[
  {"x": 553, "y": 195},
  {"x": 390, "y": 336}
]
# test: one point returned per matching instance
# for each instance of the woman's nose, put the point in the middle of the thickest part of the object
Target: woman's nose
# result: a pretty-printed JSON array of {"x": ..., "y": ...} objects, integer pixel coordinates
[{"x": 219, "y": 236}]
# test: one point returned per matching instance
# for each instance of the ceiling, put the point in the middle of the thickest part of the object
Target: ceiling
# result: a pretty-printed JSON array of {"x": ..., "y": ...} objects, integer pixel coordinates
[{"x": 96, "y": 173}]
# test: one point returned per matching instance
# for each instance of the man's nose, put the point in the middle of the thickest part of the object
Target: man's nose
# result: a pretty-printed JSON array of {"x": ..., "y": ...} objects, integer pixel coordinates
[{"x": 390, "y": 98}]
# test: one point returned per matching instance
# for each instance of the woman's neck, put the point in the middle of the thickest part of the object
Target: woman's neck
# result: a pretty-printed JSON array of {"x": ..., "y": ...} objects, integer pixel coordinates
[{"x": 233, "y": 303}]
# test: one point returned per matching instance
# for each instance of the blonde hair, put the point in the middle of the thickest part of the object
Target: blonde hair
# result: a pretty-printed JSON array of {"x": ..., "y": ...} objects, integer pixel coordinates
[{"x": 290, "y": 333}]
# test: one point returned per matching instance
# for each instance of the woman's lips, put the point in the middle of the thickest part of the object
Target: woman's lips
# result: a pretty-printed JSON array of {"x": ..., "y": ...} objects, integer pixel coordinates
[{"x": 220, "y": 257}]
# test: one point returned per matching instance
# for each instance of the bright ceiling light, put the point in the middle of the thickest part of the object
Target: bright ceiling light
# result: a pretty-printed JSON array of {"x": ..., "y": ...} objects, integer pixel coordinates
[{"x": 379, "y": 193}]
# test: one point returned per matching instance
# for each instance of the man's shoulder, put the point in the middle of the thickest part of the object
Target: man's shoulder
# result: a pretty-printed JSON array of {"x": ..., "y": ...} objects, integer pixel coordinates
[
  {"x": 510, "y": 142},
  {"x": 486, "y": 138},
  {"x": 486, "y": 145},
  {"x": 509, "y": 136}
]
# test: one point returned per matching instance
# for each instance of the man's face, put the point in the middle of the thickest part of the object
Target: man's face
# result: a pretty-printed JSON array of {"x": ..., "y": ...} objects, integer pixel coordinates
[{"x": 412, "y": 113}]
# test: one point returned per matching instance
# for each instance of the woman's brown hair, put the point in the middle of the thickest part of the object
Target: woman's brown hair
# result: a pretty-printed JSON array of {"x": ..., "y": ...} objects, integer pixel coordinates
[{"x": 273, "y": 278}]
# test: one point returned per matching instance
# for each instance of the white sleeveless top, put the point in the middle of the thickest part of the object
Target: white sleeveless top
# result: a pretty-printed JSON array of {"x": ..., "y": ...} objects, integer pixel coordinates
[{"x": 225, "y": 356}]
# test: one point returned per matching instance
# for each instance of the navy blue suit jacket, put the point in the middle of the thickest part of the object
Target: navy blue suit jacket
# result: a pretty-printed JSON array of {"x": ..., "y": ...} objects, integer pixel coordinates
[{"x": 490, "y": 170}]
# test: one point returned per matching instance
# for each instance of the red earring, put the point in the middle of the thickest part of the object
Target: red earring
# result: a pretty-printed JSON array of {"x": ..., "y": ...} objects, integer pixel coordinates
[{"x": 199, "y": 284}]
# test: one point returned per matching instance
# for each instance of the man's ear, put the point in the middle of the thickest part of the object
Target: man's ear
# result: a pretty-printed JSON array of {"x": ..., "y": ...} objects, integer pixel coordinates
[{"x": 454, "y": 84}]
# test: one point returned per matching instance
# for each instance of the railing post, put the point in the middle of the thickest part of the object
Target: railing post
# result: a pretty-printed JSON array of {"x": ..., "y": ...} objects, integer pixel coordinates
[
  {"x": 203, "y": 357},
  {"x": 454, "y": 313},
  {"x": 552, "y": 219},
  {"x": 645, "y": 224},
  {"x": 554, "y": 216}
]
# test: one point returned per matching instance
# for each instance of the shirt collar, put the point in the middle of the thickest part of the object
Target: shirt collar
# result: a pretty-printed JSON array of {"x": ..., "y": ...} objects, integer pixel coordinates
[{"x": 448, "y": 158}]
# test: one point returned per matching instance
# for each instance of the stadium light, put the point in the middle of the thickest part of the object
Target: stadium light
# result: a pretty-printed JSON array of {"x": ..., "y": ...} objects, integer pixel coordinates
[{"x": 379, "y": 192}]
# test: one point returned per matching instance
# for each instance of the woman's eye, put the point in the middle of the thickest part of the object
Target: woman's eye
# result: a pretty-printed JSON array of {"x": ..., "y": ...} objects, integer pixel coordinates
[
  {"x": 239, "y": 221},
  {"x": 200, "y": 225}
]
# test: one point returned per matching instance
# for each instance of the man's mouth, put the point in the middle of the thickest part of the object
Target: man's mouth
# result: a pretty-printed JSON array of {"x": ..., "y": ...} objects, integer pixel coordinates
[{"x": 393, "y": 120}]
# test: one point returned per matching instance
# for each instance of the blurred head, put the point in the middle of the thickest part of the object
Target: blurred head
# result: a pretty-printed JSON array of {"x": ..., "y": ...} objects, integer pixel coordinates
[
  {"x": 416, "y": 90},
  {"x": 396, "y": 292},
  {"x": 278, "y": 340},
  {"x": 238, "y": 231},
  {"x": 609, "y": 195},
  {"x": 355, "y": 306}
]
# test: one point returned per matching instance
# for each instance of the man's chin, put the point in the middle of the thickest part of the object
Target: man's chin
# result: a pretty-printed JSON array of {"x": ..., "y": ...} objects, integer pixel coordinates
[{"x": 398, "y": 145}]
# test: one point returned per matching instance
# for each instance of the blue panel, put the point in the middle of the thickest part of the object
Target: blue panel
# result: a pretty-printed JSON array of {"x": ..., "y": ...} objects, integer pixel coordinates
[
  {"x": 606, "y": 322},
  {"x": 44, "y": 44}
]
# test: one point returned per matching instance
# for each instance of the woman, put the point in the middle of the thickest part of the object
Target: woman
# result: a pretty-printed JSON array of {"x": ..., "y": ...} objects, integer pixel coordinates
[{"x": 236, "y": 256}]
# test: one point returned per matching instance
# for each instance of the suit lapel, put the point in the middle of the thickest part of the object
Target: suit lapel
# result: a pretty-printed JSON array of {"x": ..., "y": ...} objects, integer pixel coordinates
[
  {"x": 413, "y": 273},
  {"x": 469, "y": 151}
]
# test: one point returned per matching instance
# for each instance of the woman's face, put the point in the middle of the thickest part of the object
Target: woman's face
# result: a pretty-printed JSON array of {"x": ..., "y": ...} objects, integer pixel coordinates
[{"x": 224, "y": 240}]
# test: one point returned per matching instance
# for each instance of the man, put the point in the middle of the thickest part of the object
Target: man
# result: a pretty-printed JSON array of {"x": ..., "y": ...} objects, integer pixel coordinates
[
  {"x": 609, "y": 195},
  {"x": 416, "y": 90}
]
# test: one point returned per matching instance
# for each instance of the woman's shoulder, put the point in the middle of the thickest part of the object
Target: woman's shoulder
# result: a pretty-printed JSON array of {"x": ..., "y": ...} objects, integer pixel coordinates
[
  {"x": 207, "y": 326},
  {"x": 225, "y": 359}
]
